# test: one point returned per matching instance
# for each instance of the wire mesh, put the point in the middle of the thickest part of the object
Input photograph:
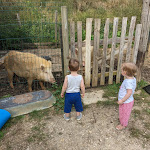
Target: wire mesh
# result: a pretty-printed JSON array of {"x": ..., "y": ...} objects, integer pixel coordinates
[{"x": 30, "y": 27}]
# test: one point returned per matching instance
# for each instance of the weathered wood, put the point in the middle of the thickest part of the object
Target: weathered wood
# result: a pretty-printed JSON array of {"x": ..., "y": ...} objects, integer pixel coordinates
[
  {"x": 136, "y": 43},
  {"x": 130, "y": 38},
  {"x": 102, "y": 41},
  {"x": 79, "y": 36},
  {"x": 56, "y": 13},
  {"x": 64, "y": 18},
  {"x": 145, "y": 21},
  {"x": 88, "y": 52},
  {"x": 111, "y": 69},
  {"x": 105, "y": 46},
  {"x": 72, "y": 38},
  {"x": 123, "y": 33},
  {"x": 96, "y": 52}
]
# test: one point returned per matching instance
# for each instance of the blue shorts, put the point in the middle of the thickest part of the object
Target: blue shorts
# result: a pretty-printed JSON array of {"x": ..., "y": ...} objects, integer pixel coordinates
[{"x": 73, "y": 98}]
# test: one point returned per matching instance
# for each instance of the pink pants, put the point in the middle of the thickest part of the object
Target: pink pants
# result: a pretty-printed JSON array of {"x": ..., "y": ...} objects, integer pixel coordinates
[{"x": 124, "y": 113}]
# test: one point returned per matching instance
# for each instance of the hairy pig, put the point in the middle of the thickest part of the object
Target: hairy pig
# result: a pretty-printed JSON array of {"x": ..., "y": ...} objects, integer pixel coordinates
[{"x": 29, "y": 66}]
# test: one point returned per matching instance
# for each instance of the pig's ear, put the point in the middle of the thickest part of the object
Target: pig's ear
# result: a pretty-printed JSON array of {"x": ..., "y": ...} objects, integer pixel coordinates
[
  {"x": 42, "y": 67},
  {"x": 76, "y": 51}
]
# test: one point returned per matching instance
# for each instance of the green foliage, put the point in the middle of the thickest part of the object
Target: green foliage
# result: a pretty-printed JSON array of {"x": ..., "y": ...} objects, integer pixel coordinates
[
  {"x": 107, "y": 103},
  {"x": 141, "y": 84},
  {"x": 5, "y": 96},
  {"x": 111, "y": 90},
  {"x": 39, "y": 115}
]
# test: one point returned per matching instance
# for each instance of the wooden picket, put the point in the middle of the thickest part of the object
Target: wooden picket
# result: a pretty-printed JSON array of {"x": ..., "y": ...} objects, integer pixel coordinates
[
  {"x": 111, "y": 69},
  {"x": 105, "y": 46},
  {"x": 123, "y": 33},
  {"x": 96, "y": 52}
]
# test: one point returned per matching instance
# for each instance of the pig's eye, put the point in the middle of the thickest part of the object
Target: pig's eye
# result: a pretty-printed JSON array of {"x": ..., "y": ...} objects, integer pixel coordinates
[{"x": 46, "y": 72}]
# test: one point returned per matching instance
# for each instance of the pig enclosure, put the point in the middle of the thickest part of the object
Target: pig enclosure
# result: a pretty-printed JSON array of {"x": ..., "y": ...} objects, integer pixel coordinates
[{"x": 32, "y": 27}]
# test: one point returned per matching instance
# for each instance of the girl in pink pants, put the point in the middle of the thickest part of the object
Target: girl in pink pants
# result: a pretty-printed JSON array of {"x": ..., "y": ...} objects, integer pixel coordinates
[{"x": 125, "y": 95}]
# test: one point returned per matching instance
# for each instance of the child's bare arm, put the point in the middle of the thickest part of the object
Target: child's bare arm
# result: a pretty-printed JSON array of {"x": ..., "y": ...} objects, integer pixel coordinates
[
  {"x": 82, "y": 87},
  {"x": 64, "y": 87},
  {"x": 129, "y": 92}
]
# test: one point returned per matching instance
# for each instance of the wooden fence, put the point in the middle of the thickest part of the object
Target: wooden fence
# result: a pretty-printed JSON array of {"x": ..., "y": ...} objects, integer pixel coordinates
[{"x": 96, "y": 70}]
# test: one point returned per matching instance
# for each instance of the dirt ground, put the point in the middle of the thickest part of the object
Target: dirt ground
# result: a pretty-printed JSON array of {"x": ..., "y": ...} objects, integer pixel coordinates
[{"x": 96, "y": 130}]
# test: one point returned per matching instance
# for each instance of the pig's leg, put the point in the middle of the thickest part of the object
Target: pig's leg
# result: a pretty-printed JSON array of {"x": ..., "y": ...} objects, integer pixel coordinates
[
  {"x": 30, "y": 84},
  {"x": 10, "y": 76},
  {"x": 42, "y": 86}
]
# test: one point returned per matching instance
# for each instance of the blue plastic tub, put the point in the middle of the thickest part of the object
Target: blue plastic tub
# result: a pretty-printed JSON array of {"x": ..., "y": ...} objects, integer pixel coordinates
[{"x": 4, "y": 116}]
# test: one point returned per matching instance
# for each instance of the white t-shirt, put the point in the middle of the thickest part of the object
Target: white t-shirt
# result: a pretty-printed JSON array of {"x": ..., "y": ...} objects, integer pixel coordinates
[{"x": 127, "y": 84}]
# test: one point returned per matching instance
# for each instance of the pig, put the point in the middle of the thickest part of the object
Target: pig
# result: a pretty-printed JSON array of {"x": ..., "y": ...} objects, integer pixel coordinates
[{"x": 29, "y": 66}]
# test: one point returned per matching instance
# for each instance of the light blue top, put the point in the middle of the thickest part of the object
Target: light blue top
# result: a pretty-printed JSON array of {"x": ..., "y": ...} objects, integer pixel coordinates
[
  {"x": 127, "y": 84},
  {"x": 74, "y": 83}
]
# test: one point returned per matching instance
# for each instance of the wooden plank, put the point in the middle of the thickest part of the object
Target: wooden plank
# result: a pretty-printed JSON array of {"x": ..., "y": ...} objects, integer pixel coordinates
[
  {"x": 72, "y": 38},
  {"x": 114, "y": 37},
  {"x": 79, "y": 37},
  {"x": 56, "y": 13},
  {"x": 105, "y": 46},
  {"x": 130, "y": 38},
  {"x": 88, "y": 52},
  {"x": 136, "y": 43},
  {"x": 96, "y": 52},
  {"x": 123, "y": 33},
  {"x": 65, "y": 38}
]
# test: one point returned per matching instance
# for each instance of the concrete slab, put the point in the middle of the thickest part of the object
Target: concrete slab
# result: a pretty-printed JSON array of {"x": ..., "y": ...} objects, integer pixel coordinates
[
  {"x": 26, "y": 103},
  {"x": 93, "y": 96}
]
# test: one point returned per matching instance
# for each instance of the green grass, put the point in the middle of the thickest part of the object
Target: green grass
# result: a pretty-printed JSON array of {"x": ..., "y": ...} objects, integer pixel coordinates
[
  {"x": 107, "y": 103},
  {"x": 111, "y": 90},
  {"x": 37, "y": 134},
  {"x": 39, "y": 115},
  {"x": 5, "y": 96},
  {"x": 134, "y": 132}
]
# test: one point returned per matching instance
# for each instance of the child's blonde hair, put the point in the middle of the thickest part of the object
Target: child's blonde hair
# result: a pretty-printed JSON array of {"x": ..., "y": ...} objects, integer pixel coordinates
[
  {"x": 73, "y": 64},
  {"x": 129, "y": 68}
]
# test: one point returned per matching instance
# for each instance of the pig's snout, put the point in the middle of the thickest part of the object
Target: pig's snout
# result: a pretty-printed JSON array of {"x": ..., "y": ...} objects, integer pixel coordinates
[{"x": 52, "y": 80}]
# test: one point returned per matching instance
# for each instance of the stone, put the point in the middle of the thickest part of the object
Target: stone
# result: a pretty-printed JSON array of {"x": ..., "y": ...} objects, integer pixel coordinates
[
  {"x": 93, "y": 96},
  {"x": 26, "y": 103}
]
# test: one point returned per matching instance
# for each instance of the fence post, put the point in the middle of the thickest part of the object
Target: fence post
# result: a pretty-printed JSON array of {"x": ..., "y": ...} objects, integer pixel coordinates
[
  {"x": 56, "y": 28},
  {"x": 145, "y": 21},
  {"x": 64, "y": 20}
]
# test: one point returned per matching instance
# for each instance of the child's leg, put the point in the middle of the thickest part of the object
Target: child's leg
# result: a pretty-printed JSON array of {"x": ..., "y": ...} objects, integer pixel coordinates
[
  {"x": 124, "y": 113},
  {"x": 78, "y": 104},
  {"x": 78, "y": 113},
  {"x": 68, "y": 105}
]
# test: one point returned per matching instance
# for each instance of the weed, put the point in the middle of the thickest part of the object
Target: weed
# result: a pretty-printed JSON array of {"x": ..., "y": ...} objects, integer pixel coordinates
[
  {"x": 107, "y": 103},
  {"x": 39, "y": 115},
  {"x": 136, "y": 112},
  {"x": 111, "y": 90},
  {"x": 135, "y": 132},
  {"x": 141, "y": 84},
  {"x": 5, "y": 96}
]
